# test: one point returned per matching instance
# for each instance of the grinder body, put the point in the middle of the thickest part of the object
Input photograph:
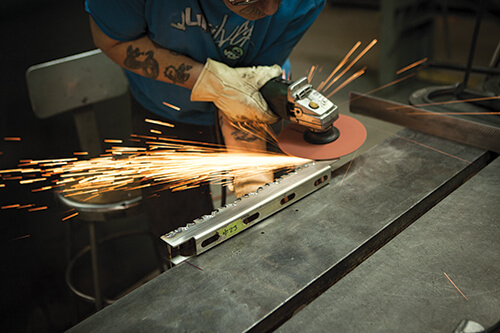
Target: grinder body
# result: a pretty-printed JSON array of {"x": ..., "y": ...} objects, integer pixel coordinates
[
  {"x": 312, "y": 133},
  {"x": 298, "y": 102}
]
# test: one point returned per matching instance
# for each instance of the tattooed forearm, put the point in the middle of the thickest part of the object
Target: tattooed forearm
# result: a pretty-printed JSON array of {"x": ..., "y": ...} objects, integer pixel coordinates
[
  {"x": 177, "y": 75},
  {"x": 149, "y": 65}
]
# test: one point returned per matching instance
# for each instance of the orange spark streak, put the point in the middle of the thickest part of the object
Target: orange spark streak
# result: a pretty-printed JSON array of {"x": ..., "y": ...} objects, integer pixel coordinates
[
  {"x": 157, "y": 122},
  {"x": 155, "y": 132},
  {"x": 176, "y": 108},
  {"x": 45, "y": 188},
  {"x": 10, "y": 206},
  {"x": 340, "y": 65},
  {"x": 445, "y": 102},
  {"x": 415, "y": 64},
  {"x": 2, "y": 185},
  {"x": 348, "y": 167},
  {"x": 384, "y": 86},
  {"x": 362, "y": 53},
  {"x": 12, "y": 138},
  {"x": 77, "y": 153},
  {"x": 311, "y": 74},
  {"x": 21, "y": 237},
  {"x": 144, "y": 136},
  {"x": 91, "y": 197},
  {"x": 30, "y": 181},
  {"x": 36, "y": 209},
  {"x": 25, "y": 206},
  {"x": 60, "y": 160},
  {"x": 113, "y": 141},
  {"x": 69, "y": 217},
  {"x": 455, "y": 286},
  {"x": 346, "y": 82}
]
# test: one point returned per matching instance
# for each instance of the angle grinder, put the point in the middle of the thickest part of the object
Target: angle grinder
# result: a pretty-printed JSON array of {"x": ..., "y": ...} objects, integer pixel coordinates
[{"x": 317, "y": 131}]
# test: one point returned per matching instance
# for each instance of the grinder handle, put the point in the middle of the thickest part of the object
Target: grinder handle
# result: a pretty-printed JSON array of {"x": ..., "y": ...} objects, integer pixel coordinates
[{"x": 275, "y": 92}]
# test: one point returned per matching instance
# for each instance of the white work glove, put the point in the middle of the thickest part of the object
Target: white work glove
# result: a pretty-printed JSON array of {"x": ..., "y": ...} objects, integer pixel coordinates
[
  {"x": 235, "y": 91},
  {"x": 245, "y": 185}
]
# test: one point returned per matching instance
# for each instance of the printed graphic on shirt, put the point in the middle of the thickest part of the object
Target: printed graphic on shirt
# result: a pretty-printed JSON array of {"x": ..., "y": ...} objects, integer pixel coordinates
[{"x": 231, "y": 42}]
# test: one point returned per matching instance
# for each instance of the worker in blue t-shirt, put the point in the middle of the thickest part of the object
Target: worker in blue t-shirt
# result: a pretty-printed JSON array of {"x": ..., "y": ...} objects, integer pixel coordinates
[{"x": 199, "y": 55}]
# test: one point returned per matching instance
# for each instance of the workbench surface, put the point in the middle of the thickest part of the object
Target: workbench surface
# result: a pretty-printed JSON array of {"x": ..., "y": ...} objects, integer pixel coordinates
[
  {"x": 406, "y": 287},
  {"x": 259, "y": 278}
]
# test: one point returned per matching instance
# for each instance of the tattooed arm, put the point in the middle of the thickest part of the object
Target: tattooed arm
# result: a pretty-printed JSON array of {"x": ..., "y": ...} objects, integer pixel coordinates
[{"x": 142, "y": 56}]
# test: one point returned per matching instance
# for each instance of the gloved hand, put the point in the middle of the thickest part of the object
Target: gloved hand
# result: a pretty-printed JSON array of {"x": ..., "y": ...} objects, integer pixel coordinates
[
  {"x": 244, "y": 185},
  {"x": 235, "y": 91}
]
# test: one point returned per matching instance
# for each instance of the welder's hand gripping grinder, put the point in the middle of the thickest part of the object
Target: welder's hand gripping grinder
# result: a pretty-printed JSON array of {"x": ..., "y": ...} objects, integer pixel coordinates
[{"x": 300, "y": 103}]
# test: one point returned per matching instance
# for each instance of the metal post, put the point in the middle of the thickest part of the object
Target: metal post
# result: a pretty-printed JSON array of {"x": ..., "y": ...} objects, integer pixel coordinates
[
  {"x": 472, "y": 50},
  {"x": 95, "y": 266}
]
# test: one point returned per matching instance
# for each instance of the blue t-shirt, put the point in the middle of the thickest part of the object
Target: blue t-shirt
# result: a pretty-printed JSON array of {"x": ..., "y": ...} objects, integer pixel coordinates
[{"x": 201, "y": 29}]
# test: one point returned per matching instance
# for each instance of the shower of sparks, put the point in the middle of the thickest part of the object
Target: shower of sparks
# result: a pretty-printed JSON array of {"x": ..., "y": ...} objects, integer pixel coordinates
[
  {"x": 454, "y": 285},
  {"x": 176, "y": 108},
  {"x": 159, "y": 122},
  {"x": 410, "y": 66},
  {"x": 361, "y": 54},
  {"x": 339, "y": 66},
  {"x": 165, "y": 164}
]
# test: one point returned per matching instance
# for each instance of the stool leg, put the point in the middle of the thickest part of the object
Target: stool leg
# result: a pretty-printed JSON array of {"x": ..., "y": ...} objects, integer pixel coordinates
[{"x": 95, "y": 266}]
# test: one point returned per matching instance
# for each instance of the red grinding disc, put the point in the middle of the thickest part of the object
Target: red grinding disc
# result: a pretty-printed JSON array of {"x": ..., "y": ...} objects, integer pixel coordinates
[{"x": 352, "y": 136}]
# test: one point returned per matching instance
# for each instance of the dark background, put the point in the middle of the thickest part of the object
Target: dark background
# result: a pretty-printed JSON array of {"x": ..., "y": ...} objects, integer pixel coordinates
[{"x": 34, "y": 295}]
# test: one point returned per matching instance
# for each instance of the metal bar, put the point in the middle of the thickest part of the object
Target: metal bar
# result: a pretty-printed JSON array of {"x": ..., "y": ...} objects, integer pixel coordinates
[
  {"x": 475, "y": 69},
  {"x": 472, "y": 50},
  {"x": 452, "y": 128},
  {"x": 210, "y": 230}
]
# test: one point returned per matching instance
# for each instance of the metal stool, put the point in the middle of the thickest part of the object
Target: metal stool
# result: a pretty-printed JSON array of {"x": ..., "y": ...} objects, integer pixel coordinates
[{"x": 75, "y": 84}]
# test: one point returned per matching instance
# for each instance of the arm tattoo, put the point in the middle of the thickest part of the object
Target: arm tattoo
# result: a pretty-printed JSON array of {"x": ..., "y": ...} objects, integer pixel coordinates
[
  {"x": 149, "y": 65},
  {"x": 177, "y": 75},
  {"x": 244, "y": 136}
]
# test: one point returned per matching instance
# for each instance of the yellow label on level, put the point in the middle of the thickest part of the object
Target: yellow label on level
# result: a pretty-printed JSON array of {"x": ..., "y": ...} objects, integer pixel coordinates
[{"x": 232, "y": 229}]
